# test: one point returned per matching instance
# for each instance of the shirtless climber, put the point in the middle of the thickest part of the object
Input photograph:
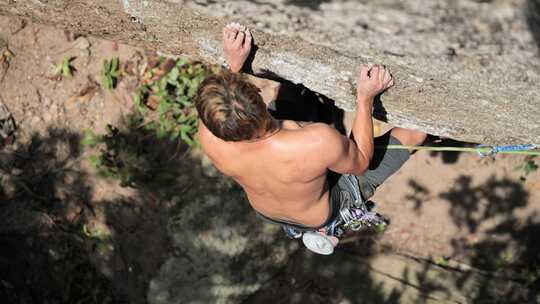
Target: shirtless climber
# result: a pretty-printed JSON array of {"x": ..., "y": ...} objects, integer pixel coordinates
[{"x": 283, "y": 165}]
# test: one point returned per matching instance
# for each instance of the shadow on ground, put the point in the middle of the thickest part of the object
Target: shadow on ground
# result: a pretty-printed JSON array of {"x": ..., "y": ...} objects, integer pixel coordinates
[
  {"x": 511, "y": 248},
  {"x": 191, "y": 233},
  {"x": 447, "y": 157},
  {"x": 44, "y": 197},
  {"x": 192, "y": 236},
  {"x": 504, "y": 262},
  {"x": 532, "y": 15}
]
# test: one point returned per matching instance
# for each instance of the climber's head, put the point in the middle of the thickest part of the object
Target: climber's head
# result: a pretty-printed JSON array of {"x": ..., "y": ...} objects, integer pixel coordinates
[{"x": 232, "y": 108}]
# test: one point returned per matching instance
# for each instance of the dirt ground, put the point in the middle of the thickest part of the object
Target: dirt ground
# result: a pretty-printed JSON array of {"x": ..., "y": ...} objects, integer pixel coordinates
[{"x": 452, "y": 210}]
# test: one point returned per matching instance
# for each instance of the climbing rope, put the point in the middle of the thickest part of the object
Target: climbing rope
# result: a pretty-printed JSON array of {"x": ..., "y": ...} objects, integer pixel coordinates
[{"x": 482, "y": 150}]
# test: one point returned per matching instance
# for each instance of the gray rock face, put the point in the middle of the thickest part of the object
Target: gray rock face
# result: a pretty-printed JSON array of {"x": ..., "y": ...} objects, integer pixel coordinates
[{"x": 465, "y": 69}]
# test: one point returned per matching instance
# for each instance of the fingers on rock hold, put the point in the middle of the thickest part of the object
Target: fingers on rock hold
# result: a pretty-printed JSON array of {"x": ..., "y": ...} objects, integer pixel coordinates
[
  {"x": 374, "y": 72},
  {"x": 249, "y": 38},
  {"x": 387, "y": 76},
  {"x": 383, "y": 74},
  {"x": 391, "y": 83},
  {"x": 229, "y": 34},
  {"x": 364, "y": 71}
]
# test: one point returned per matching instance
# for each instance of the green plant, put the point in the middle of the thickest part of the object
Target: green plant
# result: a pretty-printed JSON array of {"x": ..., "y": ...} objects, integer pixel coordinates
[
  {"x": 133, "y": 155},
  {"x": 64, "y": 69},
  {"x": 166, "y": 98},
  {"x": 119, "y": 155},
  {"x": 442, "y": 261},
  {"x": 380, "y": 228},
  {"x": 110, "y": 73},
  {"x": 141, "y": 152}
]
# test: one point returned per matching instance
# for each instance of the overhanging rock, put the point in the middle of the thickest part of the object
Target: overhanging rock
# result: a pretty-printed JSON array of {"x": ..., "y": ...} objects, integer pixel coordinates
[{"x": 462, "y": 99}]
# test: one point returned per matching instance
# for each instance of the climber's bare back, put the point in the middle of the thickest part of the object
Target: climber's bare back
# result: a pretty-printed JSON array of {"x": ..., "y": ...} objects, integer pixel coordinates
[{"x": 284, "y": 175}]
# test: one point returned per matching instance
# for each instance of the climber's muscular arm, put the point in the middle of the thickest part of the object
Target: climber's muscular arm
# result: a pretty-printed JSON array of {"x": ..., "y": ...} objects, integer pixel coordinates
[{"x": 352, "y": 155}]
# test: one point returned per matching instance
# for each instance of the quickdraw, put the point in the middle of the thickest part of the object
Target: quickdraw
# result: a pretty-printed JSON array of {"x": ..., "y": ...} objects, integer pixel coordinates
[{"x": 482, "y": 150}]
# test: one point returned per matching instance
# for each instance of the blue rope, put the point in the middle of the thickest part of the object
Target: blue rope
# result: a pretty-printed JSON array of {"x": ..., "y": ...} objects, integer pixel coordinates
[{"x": 496, "y": 149}]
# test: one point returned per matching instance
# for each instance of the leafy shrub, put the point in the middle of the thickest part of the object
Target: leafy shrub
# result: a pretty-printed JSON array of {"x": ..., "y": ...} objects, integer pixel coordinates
[
  {"x": 141, "y": 151},
  {"x": 166, "y": 97},
  {"x": 110, "y": 73},
  {"x": 64, "y": 69},
  {"x": 133, "y": 155}
]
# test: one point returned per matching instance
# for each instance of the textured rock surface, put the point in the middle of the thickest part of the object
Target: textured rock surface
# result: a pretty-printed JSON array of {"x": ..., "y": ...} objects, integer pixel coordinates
[{"x": 466, "y": 69}]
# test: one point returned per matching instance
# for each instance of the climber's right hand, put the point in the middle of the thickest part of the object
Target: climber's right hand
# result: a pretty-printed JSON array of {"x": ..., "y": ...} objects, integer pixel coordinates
[{"x": 372, "y": 80}]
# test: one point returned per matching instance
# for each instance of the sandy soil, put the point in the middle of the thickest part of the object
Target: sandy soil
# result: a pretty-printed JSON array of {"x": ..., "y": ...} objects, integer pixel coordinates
[
  {"x": 452, "y": 209},
  {"x": 62, "y": 191}
]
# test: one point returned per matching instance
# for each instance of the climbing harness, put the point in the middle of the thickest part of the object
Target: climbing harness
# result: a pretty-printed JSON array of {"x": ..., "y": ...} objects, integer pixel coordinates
[{"x": 354, "y": 214}]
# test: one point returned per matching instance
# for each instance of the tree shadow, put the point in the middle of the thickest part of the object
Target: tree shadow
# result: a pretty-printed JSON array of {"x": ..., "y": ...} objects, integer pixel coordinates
[
  {"x": 419, "y": 194},
  {"x": 532, "y": 15},
  {"x": 201, "y": 238},
  {"x": 447, "y": 157},
  {"x": 502, "y": 264},
  {"x": 44, "y": 195},
  {"x": 507, "y": 258},
  {"x": 141, "y": 160},
  {"x": 64, "y": 229},
  {"x": 471, "y": 205},
  {"x": 355, "y": 273}
]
